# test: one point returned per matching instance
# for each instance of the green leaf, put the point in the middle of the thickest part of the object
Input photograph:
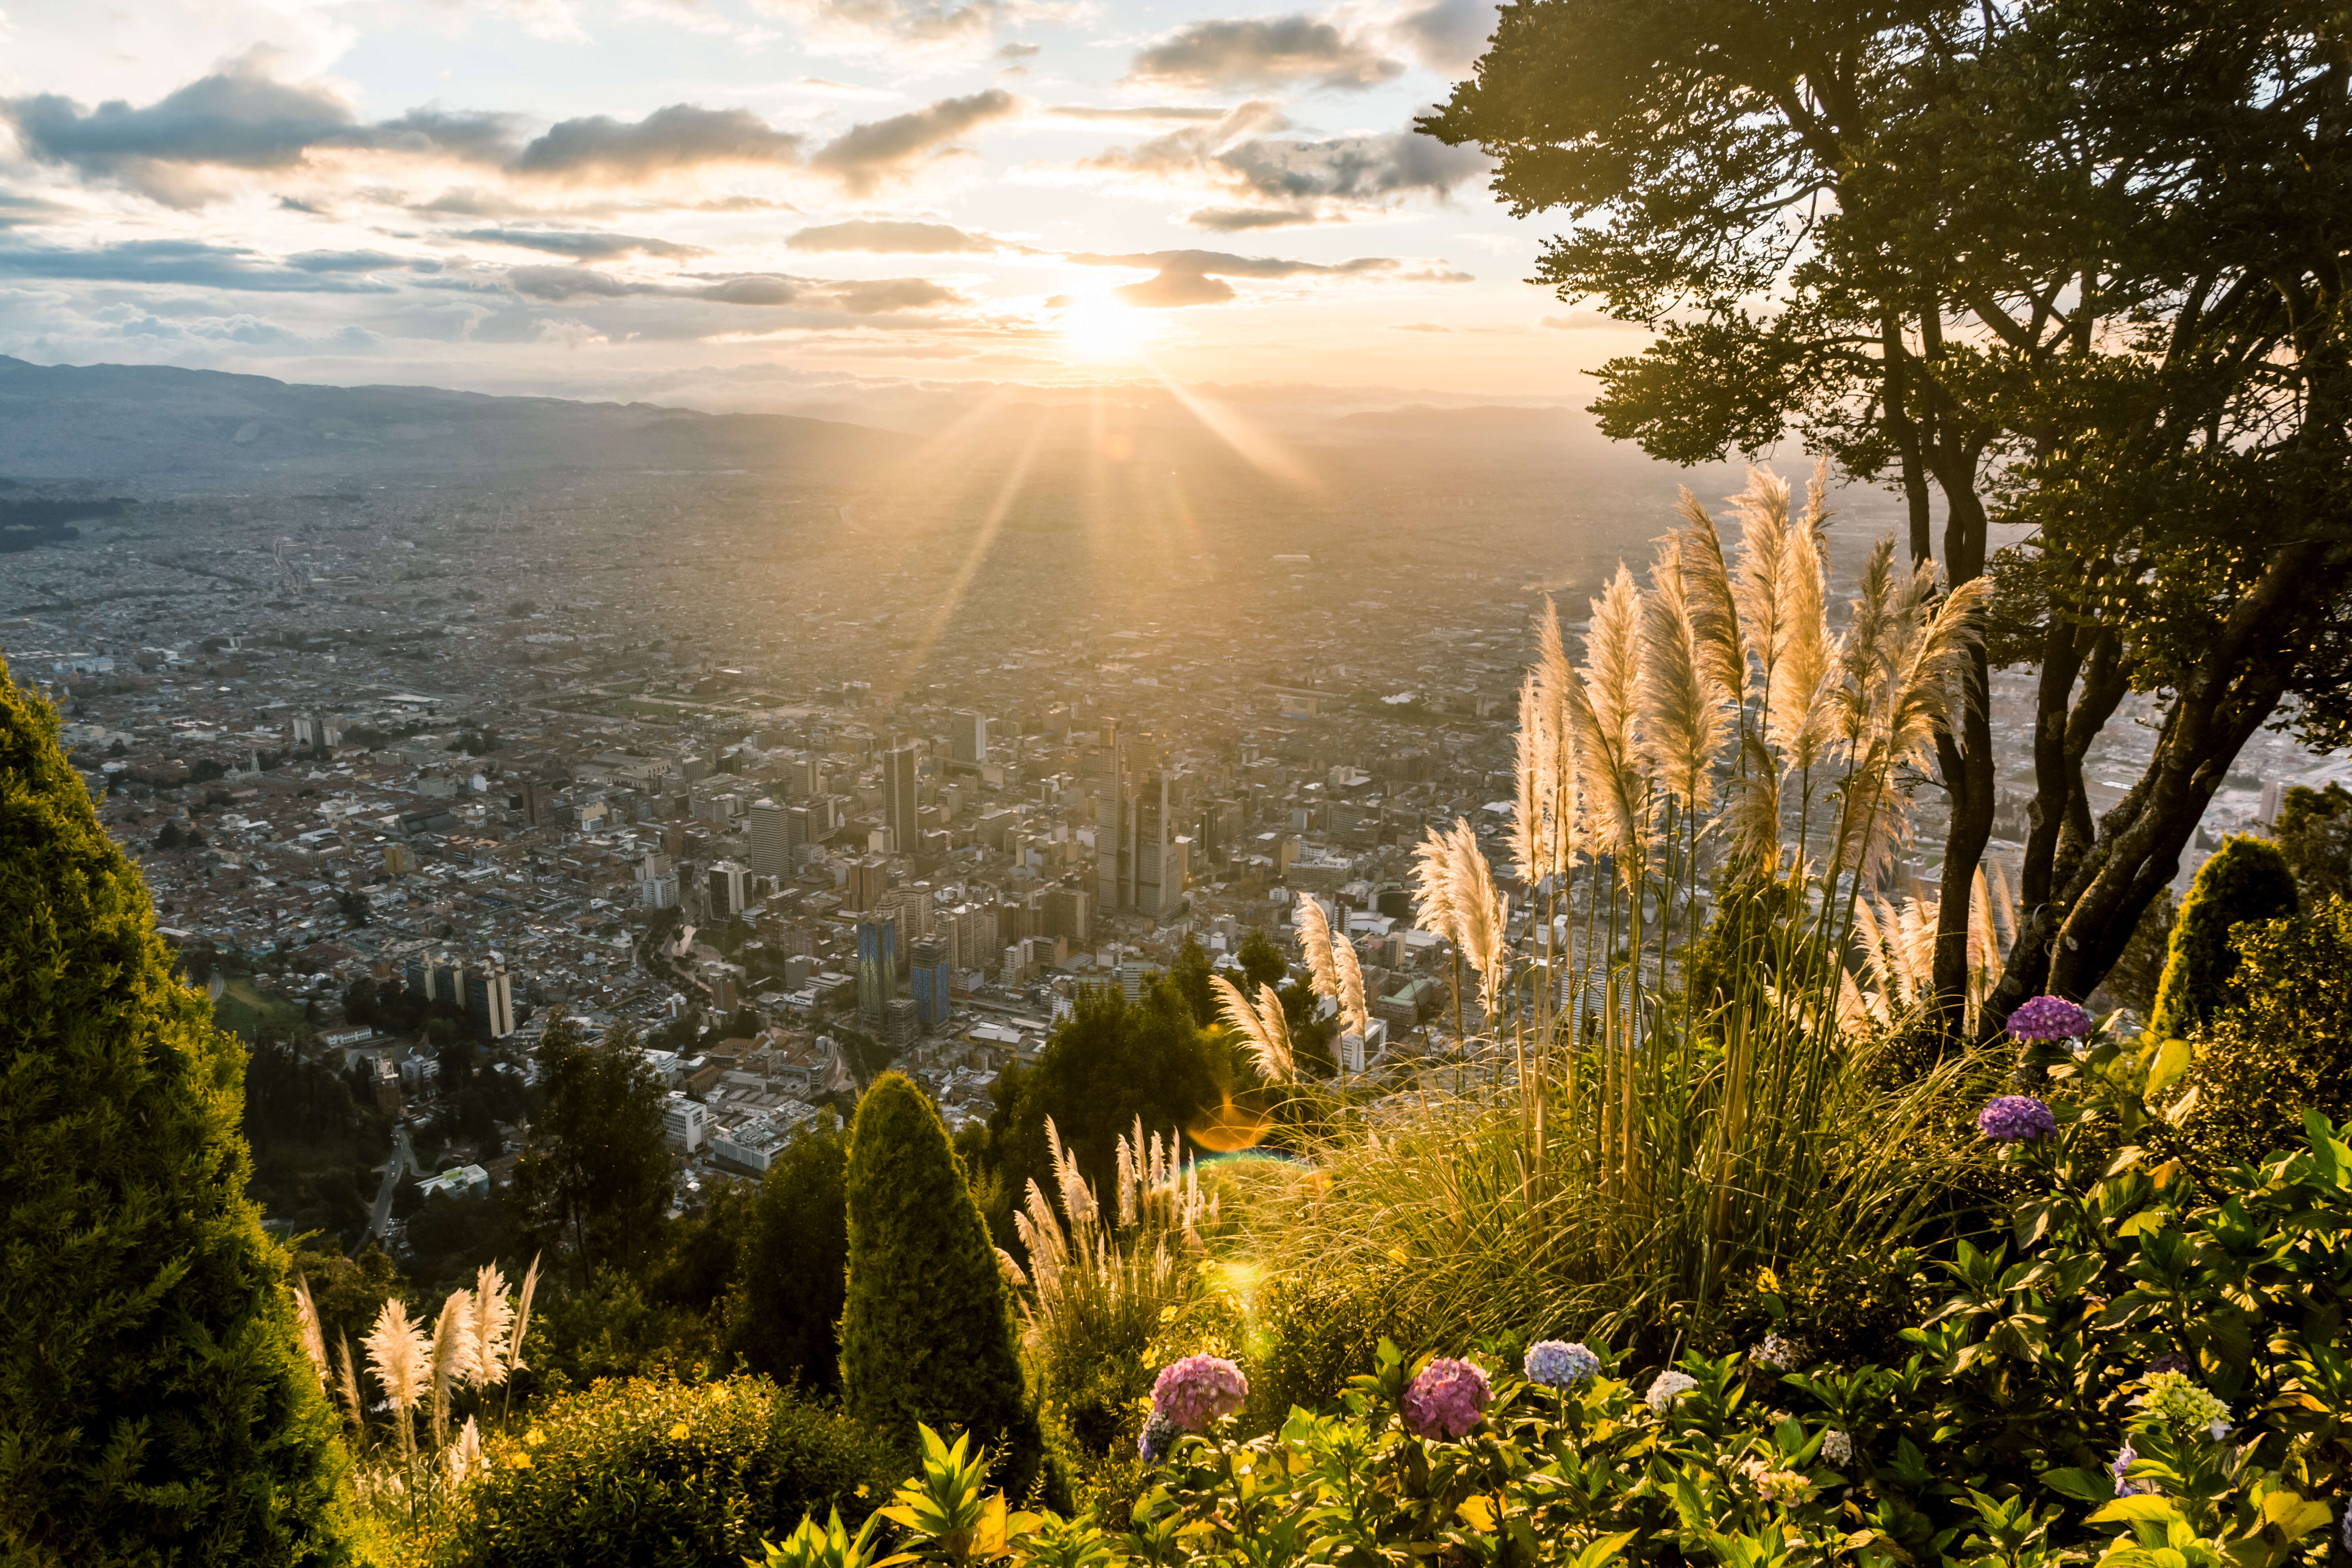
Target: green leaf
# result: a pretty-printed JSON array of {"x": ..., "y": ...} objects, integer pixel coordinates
[
  {"x": 2172, "y": 1060},
  {"x": 2137, "y": 1510},
  {"x": 2082, "y": 1486}
]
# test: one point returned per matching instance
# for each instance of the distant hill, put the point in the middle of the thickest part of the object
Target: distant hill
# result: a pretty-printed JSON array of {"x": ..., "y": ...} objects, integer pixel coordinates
[{"x": 199, "y": 428}]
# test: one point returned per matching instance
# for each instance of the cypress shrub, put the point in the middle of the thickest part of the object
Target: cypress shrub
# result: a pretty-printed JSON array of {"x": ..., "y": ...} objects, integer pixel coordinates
[
  {"x": 2282, "y": 1041},
  {"x": 2246, "y": 879},
  {"x": 155, "y": 1402},
  {"x": 926, "y": 1333},
  {"x": 784, "y": 1318}
]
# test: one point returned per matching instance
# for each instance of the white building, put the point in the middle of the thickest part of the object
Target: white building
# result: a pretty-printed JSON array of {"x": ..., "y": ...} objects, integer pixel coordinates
[
  {"x": 463, "y": 1182},
  {"x": 686, "y": 1123}
]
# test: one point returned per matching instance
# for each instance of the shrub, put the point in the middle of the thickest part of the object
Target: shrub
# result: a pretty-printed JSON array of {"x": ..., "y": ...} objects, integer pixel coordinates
[
  {"x": 926, "y": 1333},
  {"x": 785, "y": 1316},
  {"x": 2282, "y": 1041},
  {"x": 2246, "y": 879},
  {"x": 156, "y": 1403},
  {"x": 649, "y": 1472},
  {"x": 2314, "y": 834}
]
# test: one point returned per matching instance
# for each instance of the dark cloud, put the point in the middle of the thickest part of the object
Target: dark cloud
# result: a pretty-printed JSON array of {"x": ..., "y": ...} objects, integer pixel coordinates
[
  {"x": 15, "y": 210},
  {"x": 863, "y": 155},
  {"x": 1446, "y": 35},
  {"x": 559, "y": 284},
  {"x": 856, "y": 297},
  {"x": 194, "y": 263},
  {"x": 584, "y": 246},
  {"x": 1197, "y": 277},
  {"x": 1161, "y": 113},
  {"x": 240, "y": 117},
  {"x": 681, "y": 136},
  {"x": 1282, "y": 180},
  {"x": 894, "y": 237},
  {"x": 1227, "y": 53},
  {"x": 880, "y": 296}
]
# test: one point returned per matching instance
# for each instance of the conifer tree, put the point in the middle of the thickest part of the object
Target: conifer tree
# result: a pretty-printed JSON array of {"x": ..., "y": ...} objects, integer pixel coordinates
[
  {"x": 928, "y": 1332},
  {"x": 2246, "y": 879},
  {"x": 155, "y": 1403}
]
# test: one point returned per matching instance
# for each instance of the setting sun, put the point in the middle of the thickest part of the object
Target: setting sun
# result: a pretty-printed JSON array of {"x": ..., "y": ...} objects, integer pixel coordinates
[{"x": 1099, "y": 328}]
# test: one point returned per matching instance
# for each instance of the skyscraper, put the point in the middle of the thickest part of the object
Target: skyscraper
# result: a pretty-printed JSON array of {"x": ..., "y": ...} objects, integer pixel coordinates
[
  {"x": 726, "y": 886},
  {"x": 930, "y": 979},
  {"x": 770, "y": 837},
  {"x": 898, "y": 800},
  {"x": 970, "y": 737},
  {"x": 877, "y": 964},
  {"x": 1149, "y": 853}
]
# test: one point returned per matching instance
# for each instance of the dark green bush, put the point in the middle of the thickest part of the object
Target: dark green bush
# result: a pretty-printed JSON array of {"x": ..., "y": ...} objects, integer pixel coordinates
[
  {"x": 1314, "y": 1331},
  {"x": 2281, "y": 1040},
  {"x": 928, "y": 1334},
  {"x": 784, "y": 1318},
  {"x": 652, "y": 1473},
  {"x": 155, "y": 1405},
  {"x": 2246, "y": 879}
]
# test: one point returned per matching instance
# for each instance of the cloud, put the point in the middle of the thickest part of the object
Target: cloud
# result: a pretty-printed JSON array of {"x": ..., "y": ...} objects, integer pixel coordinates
[
  {"x": 893, "y": 236},
  {"x": 864, "y": 155},
  {"x": 240, "y": 117},
  {"x": 1420, "y": 327},
  {"x": 198, "y": 265},
  {"x": 899, "y": 21},
  {"x": 1277, "y": 182},
  {"x": 15, "y": 209},
  {"x": 1162, "y": 114},
  {"x": 1225, "y": 55},
  {"x": 855, "y": 297},
  {"x": 1446, "y": 35},
  {"x": 1018, "y": 51},
  {"x": 1197, "y": 277},
  {"x": 1589, "y": 321},
  {"x": 582, "y": 246},
  {"x": 681, "y": 136}
]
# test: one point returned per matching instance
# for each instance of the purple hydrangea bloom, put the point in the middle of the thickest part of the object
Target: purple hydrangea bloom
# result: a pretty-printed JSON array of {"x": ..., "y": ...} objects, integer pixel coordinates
[
  {"x": 1557, "y": 1364},
  {"x": 2016, "y": 1119},
  {"x": 1446, "y": 1400},
  {"x": 1160, "y": 1435},
  {"x": 1197, "y": 1390},
  {"x": 2123, "y": 1462},
  {"x": 2048, "y": 1018}
]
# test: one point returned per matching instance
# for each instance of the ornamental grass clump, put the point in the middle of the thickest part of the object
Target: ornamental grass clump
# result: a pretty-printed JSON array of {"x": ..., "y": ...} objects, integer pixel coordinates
[{"x": 1447, "y": 1399}]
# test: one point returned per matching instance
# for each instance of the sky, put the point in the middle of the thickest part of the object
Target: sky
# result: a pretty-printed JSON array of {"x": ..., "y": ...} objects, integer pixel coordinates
[{"x": 728, "y": 202}]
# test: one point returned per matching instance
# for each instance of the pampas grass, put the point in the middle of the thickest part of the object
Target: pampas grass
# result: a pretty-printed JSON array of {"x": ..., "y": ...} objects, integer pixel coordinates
[
  {"x": 451, "y": 1360},
  {"x": 306, "y": 1318},
  {"x": 1261, "y": 1026},
  {"x": 400, "y": 1359},
  {"x": 492, "y": 1320},
  {"x": 1315, "y": 943}
]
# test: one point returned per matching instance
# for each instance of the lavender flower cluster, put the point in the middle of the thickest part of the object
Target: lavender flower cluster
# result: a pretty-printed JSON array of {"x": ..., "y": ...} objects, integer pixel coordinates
[
  {"x": 1555, "y": 1363},
  {"x": 2048, "y": 1018},
  {"x": 1447, "y": 1399},
  {"x": 1777, "y": 1352},
  {"x": 2016, "y": 1119}
]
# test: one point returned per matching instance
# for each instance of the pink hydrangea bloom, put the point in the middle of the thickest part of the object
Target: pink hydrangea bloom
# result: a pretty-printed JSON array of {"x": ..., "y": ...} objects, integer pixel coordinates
[
  {"x": 1197, "y": 1390},
  {"x": 1446, "y": 1400}
]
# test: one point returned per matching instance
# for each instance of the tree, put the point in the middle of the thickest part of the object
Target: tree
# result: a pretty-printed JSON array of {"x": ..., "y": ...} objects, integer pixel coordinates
[
  {"x": 1262, "y": 963},
  {"x": 595, "y": 1176},
  {"x": 2314, "y": 834},
  {"x": 157, "y": 1399},
  {"x": 1190, "y": 975},
  {"x": 2118, "y": 321},
  {"x": 784, "y": 1317},
  {"x": 2246, "y": 880},
  {"x": 927, "y": 1331}
]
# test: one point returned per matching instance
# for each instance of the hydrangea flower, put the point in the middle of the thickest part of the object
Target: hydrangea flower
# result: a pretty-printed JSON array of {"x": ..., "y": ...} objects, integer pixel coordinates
[
  {"x": 2048, "y": 1018},
  {"x": 1447, "y": 1399},
  {"x": 1160, "y": 1435},
  {"x": 2016, "y": 1119},
  {"x": 1668, "y": 1387},
  {"x": 1837, "y": 1447},
  {"x": 2123, "y": 1462},
  {"x": 2185, "y": 1403},
  {"x": 1778, "y": 1351},
  {"x": 1557, "y": 1364},
  {"x": 1197, "y": 1390},
  {"x": 1786, "y": 1487}
]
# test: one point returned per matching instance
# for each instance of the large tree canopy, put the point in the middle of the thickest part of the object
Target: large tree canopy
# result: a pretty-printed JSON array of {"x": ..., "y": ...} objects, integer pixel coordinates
[{"x": 2073, "y": 263}]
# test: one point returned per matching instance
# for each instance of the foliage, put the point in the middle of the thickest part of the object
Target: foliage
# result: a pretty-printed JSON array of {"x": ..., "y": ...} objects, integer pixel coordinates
[
  {"x": 2246, "y": 879},
  {"x": 2315, "y": 832},
  {"x": 650, "y": 1471},
  {"x": 1262, "y": 963},
  {"x": 2281, "y": 1040},
  {"x": 783, "y": 1316},
  {"x": 2139, "y": 971},
  {"x": 926, "y": 1330},
  {"x": 155, "y": 1401},
  {"x": 612, "y": 1326},
  {"x": 596, "y": 1178}
]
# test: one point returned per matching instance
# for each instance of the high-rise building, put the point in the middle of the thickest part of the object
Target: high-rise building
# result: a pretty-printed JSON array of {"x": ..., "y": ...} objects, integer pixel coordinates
[
  {"x": 877, "y": 964},
  {"x": 1158, "y": 885},
  {"x": 932, "y": 971},
  {"x": 902, "y": 1022},
  {"x": 806, "y": 824},
  {"x": 1069, "y": 914},
  {"x": 970, "y": 737},
  {"x": 490, "y": 997},
  {"x": 1101, "y": 765},
  {"x": 869, "y": 880},
  {"x": 727, "y": 885},
  {"x": 899, "y": 805},
  {"x": 771, "y": 837}
]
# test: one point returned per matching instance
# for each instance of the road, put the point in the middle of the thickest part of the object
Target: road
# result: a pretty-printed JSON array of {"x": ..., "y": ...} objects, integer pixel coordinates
[{"x": 403, "y": 1159}]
